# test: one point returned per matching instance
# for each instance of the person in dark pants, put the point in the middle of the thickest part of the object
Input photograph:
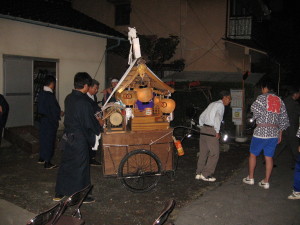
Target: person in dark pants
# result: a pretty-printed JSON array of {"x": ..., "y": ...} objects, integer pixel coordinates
[
  {"x": 4, "y": 109},
  {"x": 93, "y": 90},
  {"x": 296, "y": 191},
  {"x": 289, "y": 139},
  {"x": 81, "y": 132},
  {"x": 49, "y": 113}
]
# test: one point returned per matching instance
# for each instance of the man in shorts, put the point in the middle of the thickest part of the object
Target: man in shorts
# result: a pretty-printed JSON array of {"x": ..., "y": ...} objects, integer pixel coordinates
[{"x": 271, "y": 119}]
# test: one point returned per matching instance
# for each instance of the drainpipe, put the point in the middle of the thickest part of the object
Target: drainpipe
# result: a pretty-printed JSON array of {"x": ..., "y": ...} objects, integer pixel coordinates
[
  {"x": 108, "y": 49},
  {"x": 227, "y": 18},
  {"x": 278, "y": 77}
]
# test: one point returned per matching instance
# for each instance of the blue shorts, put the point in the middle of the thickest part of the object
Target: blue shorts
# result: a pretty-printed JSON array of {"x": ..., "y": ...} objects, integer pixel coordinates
[{"x": 266, "y": 144}]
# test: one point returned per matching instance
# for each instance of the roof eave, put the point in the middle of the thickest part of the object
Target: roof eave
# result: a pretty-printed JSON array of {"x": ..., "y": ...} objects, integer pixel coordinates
[
  {"x": 59, "y": 27},
  {"x": 245, "y": 46}
]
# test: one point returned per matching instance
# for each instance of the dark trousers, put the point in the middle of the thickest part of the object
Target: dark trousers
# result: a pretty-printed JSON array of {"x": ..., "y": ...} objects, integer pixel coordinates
[
  {"x": 74, "y": 170},
  {"x": 92, "y": 154},
  {"x": 47, "y": 134},
  {"x": 297, "y": 175},
  {"x": 1, "y": 132},
  {"x": 289, "y": 141}
]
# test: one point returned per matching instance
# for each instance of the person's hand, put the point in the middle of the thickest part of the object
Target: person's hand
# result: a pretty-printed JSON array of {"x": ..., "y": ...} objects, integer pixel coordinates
[
  {"x": 109, "y": 90},
  {"x": 218, "y": 135},
  {"x": 101, "y": 121},
  {"x": 299, "y": 148},
  {"x": 279, "y": 137},
  {"x": 62, "y": 113},
  {"x": 1, "y": 109}
]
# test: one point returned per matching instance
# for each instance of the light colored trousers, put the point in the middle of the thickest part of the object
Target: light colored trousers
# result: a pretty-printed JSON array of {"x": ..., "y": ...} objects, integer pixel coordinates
[{"x": 209, "y": 152}]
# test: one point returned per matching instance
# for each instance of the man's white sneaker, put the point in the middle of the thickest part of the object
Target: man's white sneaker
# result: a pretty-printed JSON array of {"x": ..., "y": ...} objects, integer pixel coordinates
[
  {"x": 264, "y": 184},
  {"x": 208, "y": 178},
  {"x": 249, "y": 181},
  {"x": 294, "y": 195},
  {"x": 198, "y": 177}
]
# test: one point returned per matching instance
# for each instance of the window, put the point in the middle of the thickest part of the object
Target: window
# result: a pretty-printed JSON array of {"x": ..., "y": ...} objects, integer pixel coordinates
[
  {"x": 240, "y": 8},
  {"x": 122, "y": 14}
]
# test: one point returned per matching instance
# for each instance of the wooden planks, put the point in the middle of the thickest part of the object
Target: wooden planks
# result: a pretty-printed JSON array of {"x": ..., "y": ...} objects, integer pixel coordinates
[
  {"x": 150, "y": 126},
  {"x": 148, "y": 123},
  {"x": 116, "y": 145}
]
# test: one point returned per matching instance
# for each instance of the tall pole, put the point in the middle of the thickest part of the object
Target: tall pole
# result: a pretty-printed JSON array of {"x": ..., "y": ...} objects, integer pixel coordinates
[
  {"x": 278, "y": 78},
  {"x": 243, "y": 107}
]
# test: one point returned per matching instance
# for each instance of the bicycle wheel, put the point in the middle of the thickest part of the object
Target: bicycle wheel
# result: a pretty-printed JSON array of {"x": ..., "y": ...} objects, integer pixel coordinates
[{"x": 139, "y": 170}]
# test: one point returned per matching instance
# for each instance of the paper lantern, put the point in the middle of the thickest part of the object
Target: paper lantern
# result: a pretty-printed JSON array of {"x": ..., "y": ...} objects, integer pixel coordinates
[
  {"x": 157, "y": 99},
  {"x": 128, "y": 97},
  {"x": 167, "y": 105},
  {"x": 144, "y": 93}
]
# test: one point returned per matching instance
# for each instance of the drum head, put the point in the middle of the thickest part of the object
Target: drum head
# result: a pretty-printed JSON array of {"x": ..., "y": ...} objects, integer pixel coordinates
[{"x": 116, "y": 119}]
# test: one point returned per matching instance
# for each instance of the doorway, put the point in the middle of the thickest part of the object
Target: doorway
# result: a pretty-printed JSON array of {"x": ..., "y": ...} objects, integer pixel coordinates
[{"x": 23, "y": 79}]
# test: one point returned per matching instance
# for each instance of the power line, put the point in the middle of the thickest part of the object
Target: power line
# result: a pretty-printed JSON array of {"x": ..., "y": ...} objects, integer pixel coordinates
[{"x": 100, "y": 64}]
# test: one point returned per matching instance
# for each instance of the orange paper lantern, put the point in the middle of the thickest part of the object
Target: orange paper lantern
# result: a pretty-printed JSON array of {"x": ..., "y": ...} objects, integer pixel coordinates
[
  {"x": 156, "y": 100},
  {"x": 167, "y": 105},
  {"x": 144, "y": 94},
  {"x": 128, "y": 97}
]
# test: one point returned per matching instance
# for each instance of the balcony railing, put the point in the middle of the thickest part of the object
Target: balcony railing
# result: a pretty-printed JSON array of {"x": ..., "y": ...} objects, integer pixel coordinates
[{"x": 239, "y": 27}]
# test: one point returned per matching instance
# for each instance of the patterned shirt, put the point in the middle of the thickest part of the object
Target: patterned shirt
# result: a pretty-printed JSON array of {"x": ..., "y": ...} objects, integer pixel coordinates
[
  {"x": 298, "y": 133},
  {"x": 270, "y": 114}
]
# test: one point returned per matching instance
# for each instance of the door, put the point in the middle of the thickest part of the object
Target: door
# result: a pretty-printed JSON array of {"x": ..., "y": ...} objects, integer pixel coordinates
[{"x": 18, "y": 90}]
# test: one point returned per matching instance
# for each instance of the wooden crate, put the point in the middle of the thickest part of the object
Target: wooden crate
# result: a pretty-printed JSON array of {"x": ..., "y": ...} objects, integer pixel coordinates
[
  {"x": 150, "y": 126},
  {"x": 148, "y": 123},
  {"x": 116, "y": 145},
  {"x": 143, "y": 119}
]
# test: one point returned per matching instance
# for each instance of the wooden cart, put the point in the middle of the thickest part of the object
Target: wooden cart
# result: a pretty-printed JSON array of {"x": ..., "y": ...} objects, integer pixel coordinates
[
  {"x": 137, "y": 145},
  {"x": 138, "y": 158}
]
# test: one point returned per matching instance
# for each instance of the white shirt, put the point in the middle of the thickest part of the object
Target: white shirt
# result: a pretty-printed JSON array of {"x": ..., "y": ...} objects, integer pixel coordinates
[
  {"x": 46, "y": 88},
  {"x": 213, "y": 115},
  {"x": 91, "y": 96}
]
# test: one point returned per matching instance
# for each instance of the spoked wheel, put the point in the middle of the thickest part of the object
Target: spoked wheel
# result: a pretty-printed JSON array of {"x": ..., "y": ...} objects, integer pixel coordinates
[{"x": 140, "y": 170}]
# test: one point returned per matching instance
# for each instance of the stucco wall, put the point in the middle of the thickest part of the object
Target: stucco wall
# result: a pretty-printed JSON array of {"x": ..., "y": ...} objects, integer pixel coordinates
[
  {"x": 200, "y": 24},
  {"x": 75, "y": 52}
]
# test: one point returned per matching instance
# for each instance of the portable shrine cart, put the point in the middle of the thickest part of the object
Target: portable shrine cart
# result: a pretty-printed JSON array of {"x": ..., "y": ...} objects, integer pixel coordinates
[{"x": 137, "y": 143}]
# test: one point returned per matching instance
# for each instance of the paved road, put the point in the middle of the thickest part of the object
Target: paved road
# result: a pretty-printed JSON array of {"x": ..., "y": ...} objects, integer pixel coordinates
[
  {"x": 235, "y": 203},
  {"x": 232, "y": 203}
]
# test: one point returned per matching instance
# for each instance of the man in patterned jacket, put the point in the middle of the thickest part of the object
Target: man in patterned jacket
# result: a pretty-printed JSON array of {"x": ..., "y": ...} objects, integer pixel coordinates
[{"x": 271, "y": 119}]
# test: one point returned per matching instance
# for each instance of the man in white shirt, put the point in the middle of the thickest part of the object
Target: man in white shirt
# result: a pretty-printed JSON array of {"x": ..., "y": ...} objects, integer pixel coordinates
[
  {"x": 210, "y": 122},
  {"x": 93, "y": 90}
]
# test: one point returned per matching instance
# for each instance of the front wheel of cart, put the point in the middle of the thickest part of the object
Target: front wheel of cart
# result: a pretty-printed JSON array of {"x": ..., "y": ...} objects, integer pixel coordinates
[{"x": 140, "y": 170}]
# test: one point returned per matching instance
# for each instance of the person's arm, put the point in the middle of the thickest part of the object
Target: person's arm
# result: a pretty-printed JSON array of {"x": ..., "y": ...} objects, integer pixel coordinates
[
  {"x": 218, "y": 119},
  {"x": 201, "y": 118},
  {"x": 279, "y": 137}
]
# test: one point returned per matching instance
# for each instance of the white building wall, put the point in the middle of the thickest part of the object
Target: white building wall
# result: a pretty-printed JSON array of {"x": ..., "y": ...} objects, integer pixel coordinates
[{"x": 75, "y": 52}]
